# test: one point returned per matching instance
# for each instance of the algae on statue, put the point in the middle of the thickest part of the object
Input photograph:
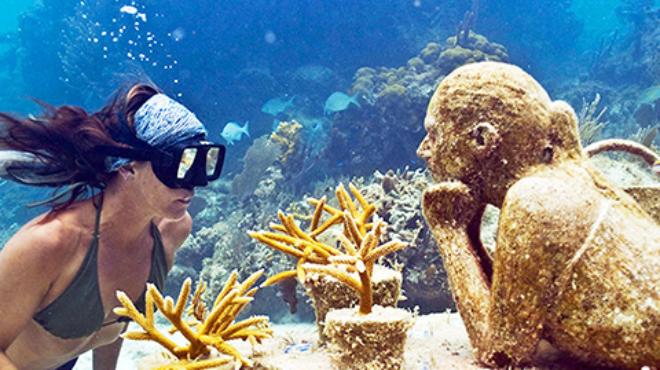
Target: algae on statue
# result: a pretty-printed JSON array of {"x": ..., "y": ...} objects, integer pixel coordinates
[{"x": 577, "y": 261}]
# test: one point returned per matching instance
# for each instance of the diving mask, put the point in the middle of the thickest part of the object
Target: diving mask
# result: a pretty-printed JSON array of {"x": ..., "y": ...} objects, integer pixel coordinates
[{"x": 184, "y": 166}]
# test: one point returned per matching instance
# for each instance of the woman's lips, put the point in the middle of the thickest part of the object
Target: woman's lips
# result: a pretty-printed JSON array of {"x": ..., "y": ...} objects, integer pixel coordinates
[{"x": 185, "y": 201}]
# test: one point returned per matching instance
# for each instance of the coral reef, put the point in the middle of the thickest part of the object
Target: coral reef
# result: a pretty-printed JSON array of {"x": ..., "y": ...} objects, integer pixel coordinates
[
  {"x": 396, "y": 195},
  {"x": 598, "y": 261},
  {"x": 261, "y": 155},
  {"x": 306, "y": 246},
  {"x": 395, "y": 102},
  {"x": 632, "y": 58},
  {"x": 208, "y": 329},
  {"x": 474, "y": 48},
  {"x": 225, "y": 250},
  {"x": 287, "y": 135}
]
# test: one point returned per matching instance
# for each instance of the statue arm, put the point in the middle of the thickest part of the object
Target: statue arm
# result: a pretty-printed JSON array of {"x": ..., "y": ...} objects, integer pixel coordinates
[
  {"x": 503, "y": 318},
  {"x": 468, "y": 280},
  {"x": 520, "y": 282}
]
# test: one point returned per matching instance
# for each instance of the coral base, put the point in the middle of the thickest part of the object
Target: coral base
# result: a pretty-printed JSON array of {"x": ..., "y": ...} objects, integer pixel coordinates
[
  {"x": 373, "y": 341},
  {"x": 328, "y": 293}
]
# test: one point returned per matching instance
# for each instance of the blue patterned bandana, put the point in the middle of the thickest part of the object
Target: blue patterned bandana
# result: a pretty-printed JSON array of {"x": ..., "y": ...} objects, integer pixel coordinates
[{"x": 162, "y": 123}]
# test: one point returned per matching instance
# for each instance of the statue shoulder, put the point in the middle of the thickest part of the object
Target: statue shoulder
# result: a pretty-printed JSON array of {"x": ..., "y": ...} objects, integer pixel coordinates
[{"x": 559, "y": 201}]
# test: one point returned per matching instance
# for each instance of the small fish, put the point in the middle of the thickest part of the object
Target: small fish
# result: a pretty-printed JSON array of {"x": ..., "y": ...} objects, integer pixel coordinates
[
  {"x": 276, "y": 106},
  {"x": 338, "y": 102},
  {"x": 650, "y": 95},
  {"x": 233, "y": 132},
  {"x": 128, "y": 9}
]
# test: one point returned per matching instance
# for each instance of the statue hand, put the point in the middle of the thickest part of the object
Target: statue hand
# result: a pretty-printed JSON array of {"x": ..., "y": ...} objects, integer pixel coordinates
[{"x": 450, "y": 204}]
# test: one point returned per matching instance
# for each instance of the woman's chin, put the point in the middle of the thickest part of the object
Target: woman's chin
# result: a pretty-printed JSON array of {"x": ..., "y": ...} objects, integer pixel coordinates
[{"x": 177, "y": 210}]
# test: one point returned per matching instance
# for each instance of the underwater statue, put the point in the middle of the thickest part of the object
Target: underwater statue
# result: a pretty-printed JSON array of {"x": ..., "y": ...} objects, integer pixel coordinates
[{"x": 577, "y": 260}]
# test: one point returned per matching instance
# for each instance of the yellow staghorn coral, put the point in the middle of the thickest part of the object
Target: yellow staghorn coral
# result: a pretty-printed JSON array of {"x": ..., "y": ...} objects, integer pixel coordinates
[
  {"x": 360, "y": 241},
  {"x": 358, "y": 259},
  {"x": 207, "y": 329},
  {"x": 203, "y": 364}
]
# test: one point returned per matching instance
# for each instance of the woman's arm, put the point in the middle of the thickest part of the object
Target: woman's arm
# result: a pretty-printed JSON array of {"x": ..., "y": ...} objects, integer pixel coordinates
[
  {"x": 29, "y": 263},
  {"x": 5, "y": 363},
  {"x": 105, "y": 358}
]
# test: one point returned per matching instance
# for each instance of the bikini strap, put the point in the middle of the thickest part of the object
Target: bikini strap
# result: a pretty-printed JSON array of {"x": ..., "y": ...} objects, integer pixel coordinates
[{"x": 98, "y": 207}]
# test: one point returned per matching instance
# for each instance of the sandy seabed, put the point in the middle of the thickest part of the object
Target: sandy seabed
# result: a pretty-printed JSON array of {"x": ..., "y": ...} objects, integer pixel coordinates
[{"x": 436, "y": 341}]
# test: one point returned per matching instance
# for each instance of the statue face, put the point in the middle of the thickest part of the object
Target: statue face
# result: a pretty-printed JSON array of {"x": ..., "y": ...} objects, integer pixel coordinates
[
  {"x": 427, "y": 149},
  {"x": 448, "y": 149}
]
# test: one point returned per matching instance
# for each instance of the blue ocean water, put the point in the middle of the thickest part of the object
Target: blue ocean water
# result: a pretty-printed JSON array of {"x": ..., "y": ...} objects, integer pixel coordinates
[
  {"x": 267, "y": 61},
  {"x": 226, "y": 59}
]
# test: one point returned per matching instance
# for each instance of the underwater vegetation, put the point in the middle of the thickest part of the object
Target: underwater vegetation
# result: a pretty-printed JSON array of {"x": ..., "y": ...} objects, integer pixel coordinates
[{"x": 206, "y": 328}]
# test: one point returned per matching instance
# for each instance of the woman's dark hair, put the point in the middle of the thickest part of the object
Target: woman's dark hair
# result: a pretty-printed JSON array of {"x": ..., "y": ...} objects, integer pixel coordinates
[{"x": 64, "y": 138}]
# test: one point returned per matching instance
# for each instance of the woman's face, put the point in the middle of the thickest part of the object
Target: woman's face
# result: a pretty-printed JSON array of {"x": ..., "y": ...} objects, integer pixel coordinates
[{"x": 165, "y": 201}]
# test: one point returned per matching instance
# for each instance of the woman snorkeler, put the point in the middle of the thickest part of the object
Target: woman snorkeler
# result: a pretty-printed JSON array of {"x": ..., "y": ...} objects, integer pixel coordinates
[{"x": 145, "y": 153}]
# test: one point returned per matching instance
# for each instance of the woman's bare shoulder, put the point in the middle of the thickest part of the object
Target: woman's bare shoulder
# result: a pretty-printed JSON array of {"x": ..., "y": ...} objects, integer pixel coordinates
[
  {"x": 48, "y": 235},
  {"x": 38, "y": 251}
]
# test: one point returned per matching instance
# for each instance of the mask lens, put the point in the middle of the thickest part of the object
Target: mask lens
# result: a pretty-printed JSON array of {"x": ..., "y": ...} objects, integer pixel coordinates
[
  {"x": 212, "y": 161},
  {"x": 187, "y": 160}
]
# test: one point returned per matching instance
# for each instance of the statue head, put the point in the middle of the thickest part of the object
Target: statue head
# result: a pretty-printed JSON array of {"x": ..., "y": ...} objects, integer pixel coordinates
[{"x": 489, "y": 123}]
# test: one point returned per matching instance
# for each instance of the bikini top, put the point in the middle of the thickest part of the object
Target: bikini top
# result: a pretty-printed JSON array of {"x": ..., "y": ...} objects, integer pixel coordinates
[{"x": 78, "y": 311}]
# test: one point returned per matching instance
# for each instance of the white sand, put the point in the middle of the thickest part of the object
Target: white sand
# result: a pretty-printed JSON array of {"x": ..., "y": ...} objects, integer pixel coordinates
[{"x": 436, "y": 341}]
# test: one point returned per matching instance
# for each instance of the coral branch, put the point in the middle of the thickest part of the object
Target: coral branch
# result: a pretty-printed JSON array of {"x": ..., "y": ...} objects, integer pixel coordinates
[
  {"x": 334, "y": 220},
  {"x": 359, "y": 239},
  {"x": 212, "y": 330},
  {"x": 335, "y": 273},
  {"x": 318, "y": 212},
  {"x": 279, "y": 277},
  {"x": 384, "y": 250}
]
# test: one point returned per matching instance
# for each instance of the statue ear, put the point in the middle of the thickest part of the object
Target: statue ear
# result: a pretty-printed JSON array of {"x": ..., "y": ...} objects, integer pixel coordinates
[{"x": 486, "y": 139}]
